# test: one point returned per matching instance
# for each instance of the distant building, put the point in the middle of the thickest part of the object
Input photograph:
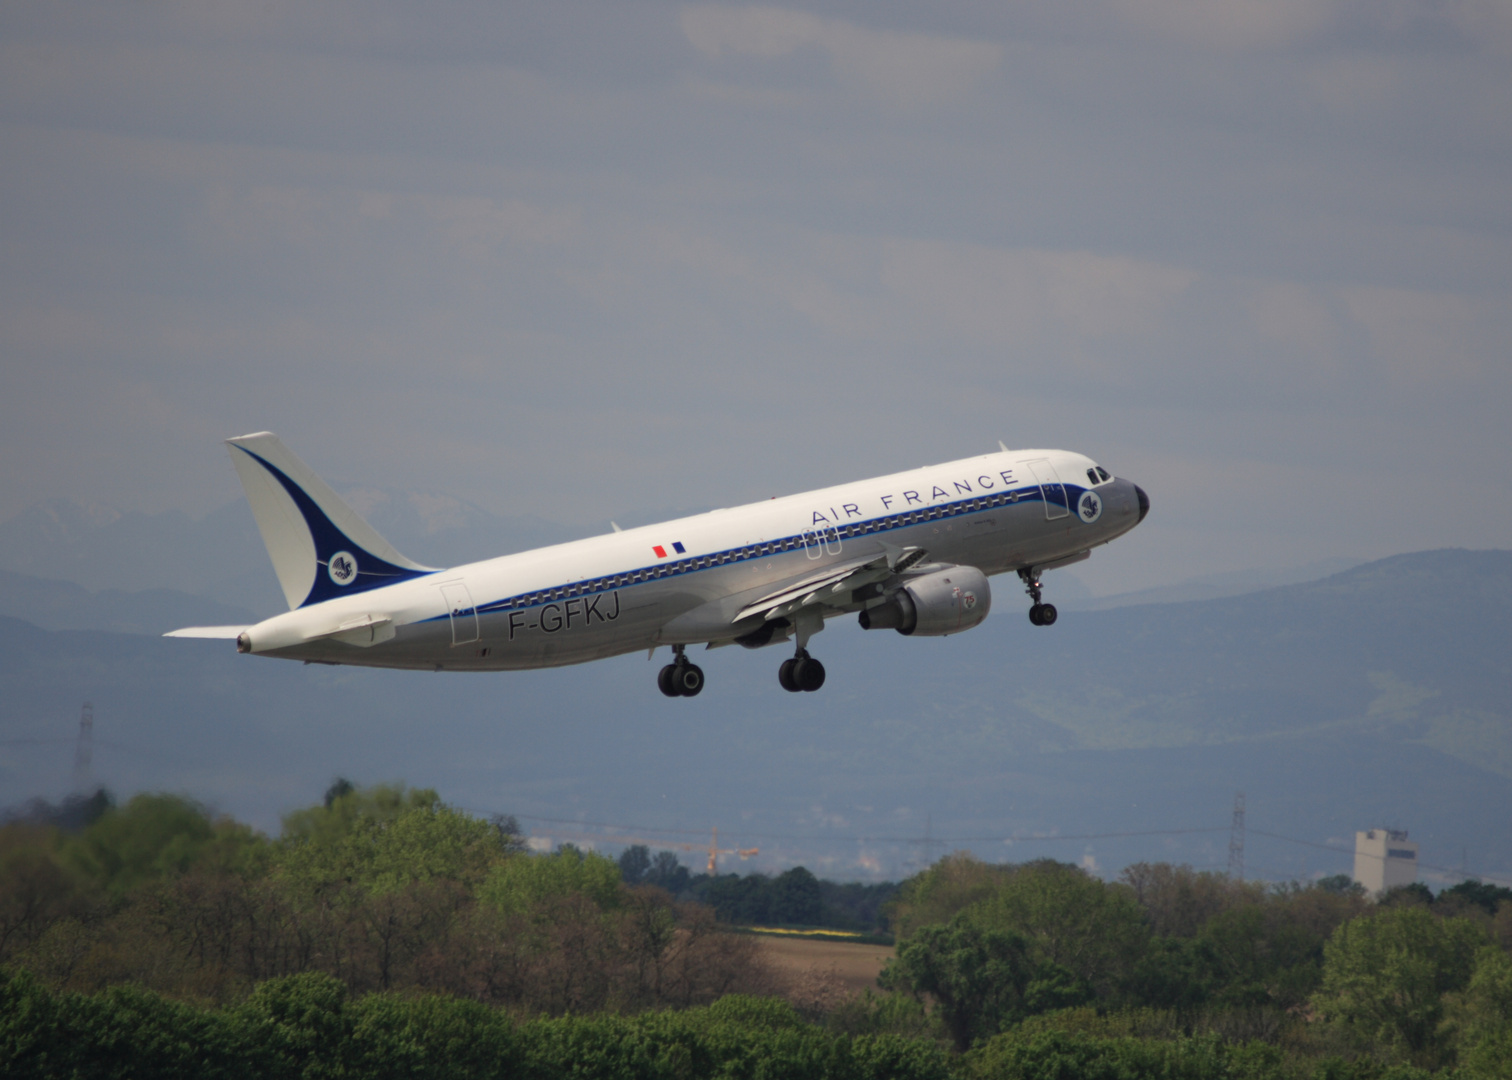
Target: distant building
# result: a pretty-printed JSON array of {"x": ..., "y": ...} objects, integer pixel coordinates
[{"x": 1384, "y": 859}]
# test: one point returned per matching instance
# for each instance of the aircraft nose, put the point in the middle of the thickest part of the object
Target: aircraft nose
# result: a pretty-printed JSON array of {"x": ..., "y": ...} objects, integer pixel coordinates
[{"x": 1144, "y": 502}]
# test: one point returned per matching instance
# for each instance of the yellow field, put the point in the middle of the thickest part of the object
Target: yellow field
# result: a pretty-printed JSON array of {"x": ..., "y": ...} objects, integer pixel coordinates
[{"x": 837, "y": 966}]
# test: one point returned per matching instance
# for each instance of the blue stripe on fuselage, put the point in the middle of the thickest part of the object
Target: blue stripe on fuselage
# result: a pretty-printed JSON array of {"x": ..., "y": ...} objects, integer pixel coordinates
[{"x": 693, "y": 564}]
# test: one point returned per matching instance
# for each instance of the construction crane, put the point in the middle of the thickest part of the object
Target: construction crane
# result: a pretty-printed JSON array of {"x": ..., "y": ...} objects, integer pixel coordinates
[{"x": 713, "y": 849}]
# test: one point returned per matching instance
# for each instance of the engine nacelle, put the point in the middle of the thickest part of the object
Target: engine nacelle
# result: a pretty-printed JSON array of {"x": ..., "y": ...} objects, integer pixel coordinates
[{"x": 944, "y": 602}]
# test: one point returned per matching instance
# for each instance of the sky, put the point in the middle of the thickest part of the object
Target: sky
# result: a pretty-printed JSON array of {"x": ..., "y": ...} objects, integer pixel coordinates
[{"x": 575, "y": 260}]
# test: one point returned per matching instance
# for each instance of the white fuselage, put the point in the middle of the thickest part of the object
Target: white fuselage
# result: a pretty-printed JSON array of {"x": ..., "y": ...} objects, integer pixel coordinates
[{"x": 614, "y": 594}]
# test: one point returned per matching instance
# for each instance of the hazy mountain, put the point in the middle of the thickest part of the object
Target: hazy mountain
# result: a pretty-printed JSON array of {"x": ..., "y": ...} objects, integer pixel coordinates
[
  {"x": 62, "y": 605},
  {"x": 1205, "y": 587},
  {"x": 221, "y": 555},
  {"x": 1374, "y": 697}
]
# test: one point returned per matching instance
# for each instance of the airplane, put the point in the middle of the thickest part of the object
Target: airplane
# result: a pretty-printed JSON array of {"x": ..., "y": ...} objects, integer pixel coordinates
[{"x": 909, "y": 552}]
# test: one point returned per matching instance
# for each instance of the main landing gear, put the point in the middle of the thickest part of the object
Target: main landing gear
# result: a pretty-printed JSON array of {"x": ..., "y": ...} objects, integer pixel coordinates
[
  {"x": 1040, "y": 614},
  {"x": 680, "y": 678},
  {"x": 801, "y": 673}
]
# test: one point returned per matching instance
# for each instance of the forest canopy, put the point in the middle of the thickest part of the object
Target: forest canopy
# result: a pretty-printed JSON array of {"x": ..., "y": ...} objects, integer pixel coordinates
[{"x": 133, "y": 929}]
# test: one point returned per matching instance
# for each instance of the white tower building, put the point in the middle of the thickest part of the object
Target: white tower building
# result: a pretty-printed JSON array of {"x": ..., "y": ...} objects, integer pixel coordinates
[{"x": 1384, "y": 859}]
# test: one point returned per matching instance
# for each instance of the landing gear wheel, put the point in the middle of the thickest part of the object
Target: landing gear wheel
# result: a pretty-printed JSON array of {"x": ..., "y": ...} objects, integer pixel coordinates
[
  {"x": 688, "y": 679},
  {"x": 681, "y": 679},
  {"x": 808, "y": 674},
  {"x": 785, "y": 676},
  {"x": 1040, "y": 614},
  {"x": 1043, "y": 614}
]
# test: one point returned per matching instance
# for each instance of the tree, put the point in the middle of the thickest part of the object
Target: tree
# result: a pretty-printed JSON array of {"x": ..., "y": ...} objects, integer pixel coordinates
[
  {"x": 1342, "y": 884},
  {"x": 634, "y": 862},
  {"x": 949, "y": 886},
  {"x": 519, "y": 885},
  {"x": 1481, "y": 1017},
  {"x": 1178, "y": 900},
  {"x": 35, "y": 889},
  {"x": 1406, "y": 896},
  {"x": 340, "y": 787},
  {"x": 1093, "y": 930},
  {"x": 795, "y": 898},
  {"x": 737, "y": 899},
  {"x": 384, "y": 838},
  {"x": 1478, "y": 893},
  {"x": 1260, "y": 955},
  {"x": 978, "y": 977},
  {"x": 1385, "y": 977},
  {"x": 70, "y": 814},
  {"x": 667, "y": 872},
  {"x": 151, "y": 837}
]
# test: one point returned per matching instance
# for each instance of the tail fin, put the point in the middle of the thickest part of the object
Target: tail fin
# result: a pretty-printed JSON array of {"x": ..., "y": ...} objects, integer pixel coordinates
[{"x": 319, "y": 546}]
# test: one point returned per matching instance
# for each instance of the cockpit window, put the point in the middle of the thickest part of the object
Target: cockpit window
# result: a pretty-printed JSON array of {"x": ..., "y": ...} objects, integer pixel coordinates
[
  {"x": 1104, "y": 474},
  {"x": 1092, "y": 476}
]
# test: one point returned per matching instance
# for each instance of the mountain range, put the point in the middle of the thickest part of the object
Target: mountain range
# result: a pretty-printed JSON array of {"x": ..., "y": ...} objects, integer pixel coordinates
[{"x": 1376, "y": 696}]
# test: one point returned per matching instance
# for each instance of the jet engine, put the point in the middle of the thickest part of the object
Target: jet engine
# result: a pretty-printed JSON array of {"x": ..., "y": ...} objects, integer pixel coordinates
[{"x": 944, "y": 602}]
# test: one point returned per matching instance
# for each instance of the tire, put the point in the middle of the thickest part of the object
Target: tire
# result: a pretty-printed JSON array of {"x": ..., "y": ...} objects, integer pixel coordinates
[
  {"x": 1047, "y": 615},
  {"x": 785, "y": 676},
  {"x": 689, "y": 680},
  {"x": 808, "y": 674},
  {"x": 1034, "y": 614},
  {"x": 665, "y": 681}
]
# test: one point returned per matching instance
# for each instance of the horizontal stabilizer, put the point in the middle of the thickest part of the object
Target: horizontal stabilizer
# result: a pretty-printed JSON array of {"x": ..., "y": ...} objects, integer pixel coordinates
[{"x": 223, "y": 633}]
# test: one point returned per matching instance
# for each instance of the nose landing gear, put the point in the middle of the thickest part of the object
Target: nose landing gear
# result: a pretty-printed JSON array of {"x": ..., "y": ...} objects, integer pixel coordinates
[
  {"x": 680, "y": 678},
  {"x": 801, "y": 674},
  {"x": 1040, "y": 614}
]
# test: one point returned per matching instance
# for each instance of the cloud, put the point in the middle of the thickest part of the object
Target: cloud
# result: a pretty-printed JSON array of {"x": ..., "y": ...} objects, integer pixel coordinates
[
  {"x": 997, "y": 295},
  {"x": 1254, "y": 25},
  {"x": 1230, "y": 24},
  {"x": 907, "y": 70},
  {"x": 1430, "y": 340}
]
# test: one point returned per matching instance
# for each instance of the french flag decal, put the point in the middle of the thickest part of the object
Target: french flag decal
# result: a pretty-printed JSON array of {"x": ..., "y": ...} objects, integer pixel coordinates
[{"x": 661, "y": 551}]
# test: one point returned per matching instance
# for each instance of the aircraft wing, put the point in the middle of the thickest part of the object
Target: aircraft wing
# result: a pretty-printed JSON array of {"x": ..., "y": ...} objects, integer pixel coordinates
[
  {"x": 220, "y": 632},
  {"x": 834, "y": 582}
]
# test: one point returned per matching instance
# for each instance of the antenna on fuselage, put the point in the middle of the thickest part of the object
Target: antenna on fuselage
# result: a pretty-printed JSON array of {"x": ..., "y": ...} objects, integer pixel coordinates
[
  {"x": 1001, "y": 447},
  {"x": 616, "y": 527}
]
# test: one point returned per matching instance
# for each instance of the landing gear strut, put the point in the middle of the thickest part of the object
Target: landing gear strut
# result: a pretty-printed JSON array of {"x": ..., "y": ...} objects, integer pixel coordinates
[
  {"x": 801, "y": 673},
  {"x": 1040, "y": 614},
  {"x": 680, "y": 678}
]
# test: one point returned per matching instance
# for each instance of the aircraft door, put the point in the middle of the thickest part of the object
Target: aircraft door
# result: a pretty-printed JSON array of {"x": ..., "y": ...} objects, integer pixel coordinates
[
  {"x": 464, "y": 617},
  {"x": 812, "y": 547},
  {"x": 831, "y": 536},
  {"x": 1051, "y": 489}
]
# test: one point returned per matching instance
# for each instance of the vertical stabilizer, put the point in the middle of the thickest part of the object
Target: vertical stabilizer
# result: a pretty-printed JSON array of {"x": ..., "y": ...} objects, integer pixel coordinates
[{"x": 319, "y": 546}]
